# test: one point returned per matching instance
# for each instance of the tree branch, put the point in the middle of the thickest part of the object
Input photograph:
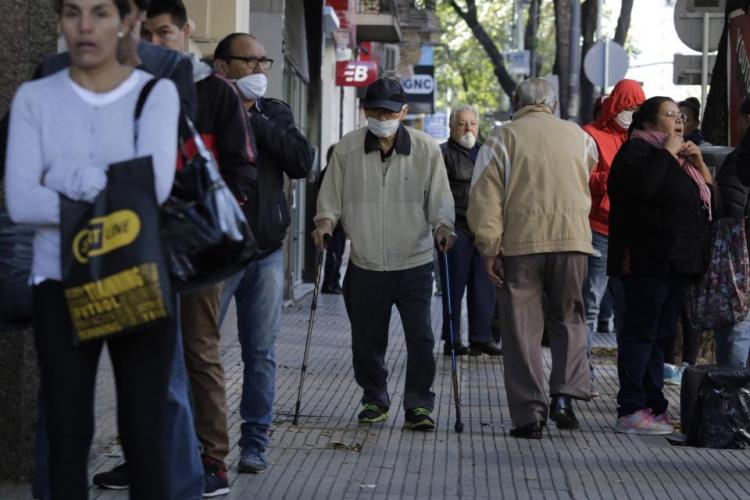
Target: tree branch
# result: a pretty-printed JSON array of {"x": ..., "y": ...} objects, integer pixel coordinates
[
  {"x": 498, "y": 61},
  {"x": 623, "y": 22}
]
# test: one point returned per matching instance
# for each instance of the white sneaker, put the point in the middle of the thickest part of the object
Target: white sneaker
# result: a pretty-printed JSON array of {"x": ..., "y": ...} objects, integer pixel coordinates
[{"x": 642, "y": 422}]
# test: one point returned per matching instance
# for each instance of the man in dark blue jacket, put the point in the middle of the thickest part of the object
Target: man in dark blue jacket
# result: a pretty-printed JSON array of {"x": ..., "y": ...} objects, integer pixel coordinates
[
  {"x": 258, "y": 291},
  {"x": 465, "y": 263}
]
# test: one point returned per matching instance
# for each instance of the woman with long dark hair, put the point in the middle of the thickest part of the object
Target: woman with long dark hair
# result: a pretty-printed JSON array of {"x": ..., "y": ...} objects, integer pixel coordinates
[
  {"x": 65, "y": 131},
  {"x": 661, "y": 206}
]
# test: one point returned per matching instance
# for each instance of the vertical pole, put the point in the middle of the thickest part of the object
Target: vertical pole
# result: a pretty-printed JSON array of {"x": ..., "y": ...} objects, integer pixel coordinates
[
  {"x": 606, "y": 66},
  {"x": 519, "y": 25},
  {"x": 574, "y": 89},
  {"x": 599, "y": 6},
  {"x": 704, "y": 65}
]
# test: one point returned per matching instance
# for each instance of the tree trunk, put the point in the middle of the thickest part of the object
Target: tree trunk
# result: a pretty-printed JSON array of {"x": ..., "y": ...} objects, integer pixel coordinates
[
  {"x": 588, "y": 29},
  {"x": 498, "y": 61},
  {"x": 623, "y": 22},
  {"x": 562, "y": 57},
  {"x": 532, "y": 24}
]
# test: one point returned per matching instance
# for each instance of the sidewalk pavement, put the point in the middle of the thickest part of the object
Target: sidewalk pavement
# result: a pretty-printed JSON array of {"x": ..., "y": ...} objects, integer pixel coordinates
[{"x": 330, "y": 456}]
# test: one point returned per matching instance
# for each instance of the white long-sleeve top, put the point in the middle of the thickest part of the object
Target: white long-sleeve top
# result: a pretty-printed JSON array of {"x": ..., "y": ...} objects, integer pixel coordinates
[{"x": 63, "y": 138}]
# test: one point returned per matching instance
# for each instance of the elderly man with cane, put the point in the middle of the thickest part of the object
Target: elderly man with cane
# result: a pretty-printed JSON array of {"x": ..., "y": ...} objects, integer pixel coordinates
[{"x": 389, "y": 188}]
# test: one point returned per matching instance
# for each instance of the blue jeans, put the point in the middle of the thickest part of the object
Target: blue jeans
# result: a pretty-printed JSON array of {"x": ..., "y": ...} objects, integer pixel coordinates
[
  {"x": 259, "y": 292},
  {"x": 466, "y": 272},
  {"x": 653, "y": 305},
  {"x": 596, "y": 284},
  {"x": 183, "y": 456},
  {"x": 733, "y": 344}
]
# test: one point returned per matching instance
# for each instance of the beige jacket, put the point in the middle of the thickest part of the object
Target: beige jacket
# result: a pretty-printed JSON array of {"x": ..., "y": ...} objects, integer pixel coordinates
[
  {"x": 388, "y": 208},
  {"x": 532, "y": 195}
]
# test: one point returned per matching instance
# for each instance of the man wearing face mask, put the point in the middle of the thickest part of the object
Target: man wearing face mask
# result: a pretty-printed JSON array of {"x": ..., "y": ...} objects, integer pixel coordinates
[
  {"x": 258, "y": 290},
  {"x": 465, "y": 263},
  {"x": 388, "y": 186},
  {"x": 609, "y": 131}
]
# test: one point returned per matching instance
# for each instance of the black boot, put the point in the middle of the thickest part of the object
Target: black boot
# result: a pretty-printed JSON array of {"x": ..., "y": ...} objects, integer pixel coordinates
[
  {"x": 533, "y": 430},
  {"x": 488, "y": 348},
  {"x": 461, "y": 350},
  {"x": 561, "y": 412}
]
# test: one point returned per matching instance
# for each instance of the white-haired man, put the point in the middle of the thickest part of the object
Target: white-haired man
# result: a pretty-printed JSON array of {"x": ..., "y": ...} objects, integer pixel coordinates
[
  {"x": 529, "y": 212},
  {"x": 465, "y": 263}
]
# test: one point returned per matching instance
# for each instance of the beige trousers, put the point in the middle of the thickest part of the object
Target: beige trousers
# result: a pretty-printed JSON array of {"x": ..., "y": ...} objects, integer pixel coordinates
[
  {"x": 200, "y": 336},
  {"x": 528, "y": 278}
]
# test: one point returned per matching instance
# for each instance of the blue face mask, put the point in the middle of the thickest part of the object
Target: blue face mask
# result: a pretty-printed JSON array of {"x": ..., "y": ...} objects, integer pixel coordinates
[{"x": 383, "y": 129}]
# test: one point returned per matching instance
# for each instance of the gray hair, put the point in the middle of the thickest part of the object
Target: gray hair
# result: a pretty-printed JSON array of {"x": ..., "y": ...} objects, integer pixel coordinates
[
  {"x": 535, "y": 92},
  {"x": 463, "y": 108}
]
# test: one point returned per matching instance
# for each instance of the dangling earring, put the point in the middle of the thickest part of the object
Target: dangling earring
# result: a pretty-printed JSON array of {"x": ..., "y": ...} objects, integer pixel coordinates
[{"x": 120, "y": 34}]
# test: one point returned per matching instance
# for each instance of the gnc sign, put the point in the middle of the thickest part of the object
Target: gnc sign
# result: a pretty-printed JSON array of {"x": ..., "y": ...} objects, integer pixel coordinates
[{"x": 356, "y": 73}]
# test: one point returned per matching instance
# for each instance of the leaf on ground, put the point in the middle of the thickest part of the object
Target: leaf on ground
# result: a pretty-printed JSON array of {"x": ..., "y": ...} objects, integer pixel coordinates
[
  {"x": 338, "y": 445},
  {"x": 604, "y": 351}
]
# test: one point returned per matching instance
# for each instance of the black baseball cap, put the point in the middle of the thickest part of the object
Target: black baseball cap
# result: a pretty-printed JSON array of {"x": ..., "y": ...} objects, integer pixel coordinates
[{"x": 385, "y": 93}]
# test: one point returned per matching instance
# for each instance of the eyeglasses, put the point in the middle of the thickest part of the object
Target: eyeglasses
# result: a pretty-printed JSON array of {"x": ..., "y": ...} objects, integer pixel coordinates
[
  {"x": 253, "y": 62},
  {"x": 678, "y": 117}
]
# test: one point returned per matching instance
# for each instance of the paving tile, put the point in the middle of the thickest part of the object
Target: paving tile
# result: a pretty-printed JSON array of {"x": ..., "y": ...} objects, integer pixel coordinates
[{"x": 329, "y": 455}]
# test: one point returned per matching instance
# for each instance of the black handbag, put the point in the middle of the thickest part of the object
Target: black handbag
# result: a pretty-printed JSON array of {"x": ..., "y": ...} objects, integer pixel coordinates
[{"x": 204, "y": 231}]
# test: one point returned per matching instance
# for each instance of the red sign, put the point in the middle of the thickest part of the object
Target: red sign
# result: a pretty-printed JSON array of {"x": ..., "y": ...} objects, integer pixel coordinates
[
  {"x": 356, "y": 73},
  {"x": 738, "y": 69},
  {"x": 346, "y": 36}
]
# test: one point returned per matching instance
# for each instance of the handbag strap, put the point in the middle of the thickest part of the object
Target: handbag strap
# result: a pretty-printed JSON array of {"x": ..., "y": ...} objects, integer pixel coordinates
[{"x": 141, "y": 103}]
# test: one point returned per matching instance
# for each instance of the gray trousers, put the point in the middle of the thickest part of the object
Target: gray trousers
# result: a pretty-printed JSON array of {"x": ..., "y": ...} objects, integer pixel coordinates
[
  {"x": 369, "y": 297},
  {"x": 560, "y": 277}
]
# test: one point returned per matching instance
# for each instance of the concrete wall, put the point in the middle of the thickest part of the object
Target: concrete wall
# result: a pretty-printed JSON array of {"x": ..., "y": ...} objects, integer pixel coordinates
[
  {"x": 215, "y": 19},
  {"x": 333, "y": 122},
  {"x": 267, "y": 25},
  {"x": 28, "y": 33}
]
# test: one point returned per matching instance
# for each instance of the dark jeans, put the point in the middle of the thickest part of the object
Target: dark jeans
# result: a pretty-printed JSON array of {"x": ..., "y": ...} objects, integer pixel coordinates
[
  {"x": 466, "y": 272},
  {"x": 141, "y": 362},
  {"x": 369, "y": 297},
  {"x": 334, "y": 255},
  {"x": 691, "y": 345},
  {"x": 652, "y": 308}
]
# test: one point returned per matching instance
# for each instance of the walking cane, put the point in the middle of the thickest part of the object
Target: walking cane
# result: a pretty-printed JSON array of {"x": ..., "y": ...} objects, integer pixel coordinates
[
  {"x": 319, "y": 265},
  {"x": 459, "y": 427}
]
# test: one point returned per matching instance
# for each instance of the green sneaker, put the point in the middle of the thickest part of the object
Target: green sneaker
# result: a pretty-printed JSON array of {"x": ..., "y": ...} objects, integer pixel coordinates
[
  {"x": 418, "y": 419},
  {"x": 372, "y": 414}
]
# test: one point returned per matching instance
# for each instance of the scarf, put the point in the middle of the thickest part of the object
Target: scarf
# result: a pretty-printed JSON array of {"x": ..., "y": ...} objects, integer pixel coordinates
[{"x": 657, "y": 139}]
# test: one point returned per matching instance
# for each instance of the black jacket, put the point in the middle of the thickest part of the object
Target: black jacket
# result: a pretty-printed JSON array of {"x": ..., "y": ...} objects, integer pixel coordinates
[
  {"x": 460, "y": 168},
  {"x": 657, "y": 224},
  {"x": 734, "y": 194},
  {"x": 282, "y": 149},
  {"x": 156, "y": 60},
  {"x": 225, "y": 129}
]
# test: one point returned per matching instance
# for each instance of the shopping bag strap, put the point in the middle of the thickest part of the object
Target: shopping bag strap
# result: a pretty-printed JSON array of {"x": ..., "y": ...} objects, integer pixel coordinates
[{"x": 142, "y": 98}]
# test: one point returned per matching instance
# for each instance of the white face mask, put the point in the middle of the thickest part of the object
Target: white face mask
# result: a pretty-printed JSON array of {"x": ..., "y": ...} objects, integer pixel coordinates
[
  {"x": 624, "y": 119},
  {"x": 382, "y": 129},
  {"x": 468, "y": 140},
  {"x": 253, "y": 86}
]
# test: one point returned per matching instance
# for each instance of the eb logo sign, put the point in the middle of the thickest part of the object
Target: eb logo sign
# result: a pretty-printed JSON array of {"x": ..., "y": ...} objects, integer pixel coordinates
[{"x": 356, "y": 73}]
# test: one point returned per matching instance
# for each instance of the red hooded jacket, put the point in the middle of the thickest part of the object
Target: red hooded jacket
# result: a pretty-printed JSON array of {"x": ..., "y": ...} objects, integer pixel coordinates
[{"x": 609, "y": 137}]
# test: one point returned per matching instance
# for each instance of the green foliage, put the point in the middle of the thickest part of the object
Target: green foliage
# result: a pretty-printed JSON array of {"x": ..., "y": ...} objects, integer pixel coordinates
[{"x": 461, "y": 60}]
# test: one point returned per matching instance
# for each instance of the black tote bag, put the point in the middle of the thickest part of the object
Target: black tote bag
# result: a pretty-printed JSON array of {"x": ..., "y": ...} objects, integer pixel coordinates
[{"x": 113, "y": 266}]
